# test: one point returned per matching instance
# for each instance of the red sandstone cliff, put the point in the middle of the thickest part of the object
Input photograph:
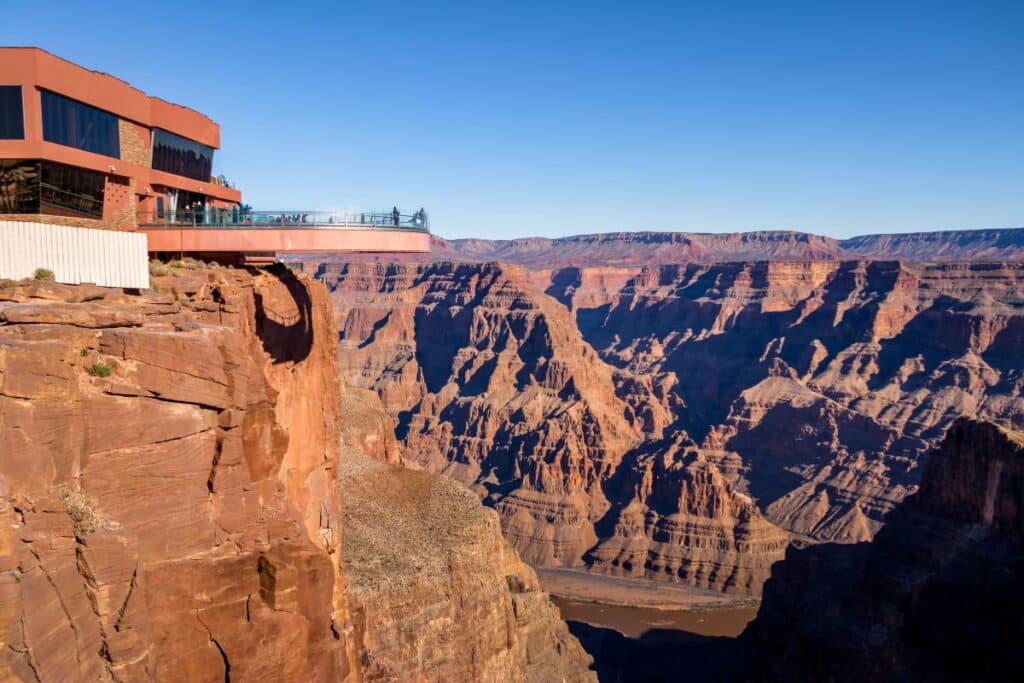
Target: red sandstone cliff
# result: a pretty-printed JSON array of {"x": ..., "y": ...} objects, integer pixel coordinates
[
  {"x": 170, "y": 508},
  {"x": 167, "y": 466}
]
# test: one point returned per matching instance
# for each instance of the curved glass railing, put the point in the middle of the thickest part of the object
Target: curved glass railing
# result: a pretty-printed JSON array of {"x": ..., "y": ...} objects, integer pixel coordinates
[{"x": 238, "y": 218}]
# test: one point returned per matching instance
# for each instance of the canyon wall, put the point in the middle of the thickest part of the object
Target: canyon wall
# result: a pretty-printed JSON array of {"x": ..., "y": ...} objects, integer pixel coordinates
[
  {"x": 683, "y": 422},
  {"x": 936, "y": 596},
  {"x": 491, "y": 383},
  {"x": 167, "y": 467},
  {"x": 438, "y": 593},
  {"x": 815, "y": 387}
]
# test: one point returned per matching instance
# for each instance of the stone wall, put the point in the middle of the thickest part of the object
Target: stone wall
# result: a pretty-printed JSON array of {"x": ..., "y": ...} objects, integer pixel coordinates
[
  {"x": 119, "y": 205},
  {"x": 50, "y": 219},
  {"x": 135, "y": 143}
]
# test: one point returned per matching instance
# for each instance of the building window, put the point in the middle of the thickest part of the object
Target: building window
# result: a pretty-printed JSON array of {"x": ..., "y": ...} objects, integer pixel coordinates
[
  {"x": 181, "y": 156},
  {"x": 19, "y": 186},
  {"x": 74, "y": 124},
  {"x": 71, "y": 191},
  {"x": 12, "y": 121}
]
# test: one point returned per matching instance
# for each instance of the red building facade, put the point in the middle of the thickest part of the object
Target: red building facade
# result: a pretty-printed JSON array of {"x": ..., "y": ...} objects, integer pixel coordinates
[{"x": 84, "y": 148}]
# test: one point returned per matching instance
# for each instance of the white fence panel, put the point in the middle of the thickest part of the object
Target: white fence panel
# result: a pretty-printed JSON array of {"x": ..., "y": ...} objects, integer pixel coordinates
[{"x": 108, "y": 258}]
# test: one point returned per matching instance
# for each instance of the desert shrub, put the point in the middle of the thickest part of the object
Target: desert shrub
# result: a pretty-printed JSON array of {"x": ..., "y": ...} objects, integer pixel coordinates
[
  {"x": 158, "y": 269},
  {"x": 99, "y": 369},
  {"x": 84, "y": 352},
  {"x": 43, "y": 274},
  {"x": 188, "y": 263},
  {"x": 7, "y": 285},
  {"x": 83, "y": 510}
]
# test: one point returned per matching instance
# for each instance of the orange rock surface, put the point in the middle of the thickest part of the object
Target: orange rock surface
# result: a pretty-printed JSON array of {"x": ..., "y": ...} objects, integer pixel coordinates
[{"x": 167, "y": 468}]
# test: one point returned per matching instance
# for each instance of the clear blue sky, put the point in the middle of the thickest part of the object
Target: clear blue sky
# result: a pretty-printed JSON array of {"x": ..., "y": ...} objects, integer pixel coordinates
[{"x": 547, "y": 118}]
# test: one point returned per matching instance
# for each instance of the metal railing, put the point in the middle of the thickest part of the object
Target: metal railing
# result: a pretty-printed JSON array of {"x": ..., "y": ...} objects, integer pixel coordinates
[{"x": 238, "y": 218}]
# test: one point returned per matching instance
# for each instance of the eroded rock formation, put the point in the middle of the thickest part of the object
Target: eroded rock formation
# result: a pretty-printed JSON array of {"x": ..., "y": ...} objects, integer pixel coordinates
[
  {"x": 491, "y": 383},
  {"x": 170, "y": 508},
  {"x": 167, "y": 469},
  {"x": 815, "y": 387}
]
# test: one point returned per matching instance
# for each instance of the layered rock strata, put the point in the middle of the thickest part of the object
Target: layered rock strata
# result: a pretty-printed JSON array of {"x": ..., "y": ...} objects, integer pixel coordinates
[
  {"x": 677, "y": 517},
  {"x": 167, "y": 482},
  {"x": 814, "y": 389}
]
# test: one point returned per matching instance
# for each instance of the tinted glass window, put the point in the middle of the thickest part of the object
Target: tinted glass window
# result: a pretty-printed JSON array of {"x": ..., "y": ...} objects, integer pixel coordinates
[
  {"x": 19, "y": 186},
  {"x": 181, "y": 156},
  {"x": 70, "y": 191},
  {"x": 74, "y": 124},
  {"x": 12, "y": 123}
]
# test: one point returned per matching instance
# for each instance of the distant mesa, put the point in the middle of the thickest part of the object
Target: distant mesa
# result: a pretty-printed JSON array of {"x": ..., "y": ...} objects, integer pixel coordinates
[{"x": 666, "y": 248}]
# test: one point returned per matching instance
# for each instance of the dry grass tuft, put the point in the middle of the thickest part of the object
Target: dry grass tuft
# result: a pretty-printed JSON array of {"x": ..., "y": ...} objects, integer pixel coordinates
[{"x": 83, "y": 510}]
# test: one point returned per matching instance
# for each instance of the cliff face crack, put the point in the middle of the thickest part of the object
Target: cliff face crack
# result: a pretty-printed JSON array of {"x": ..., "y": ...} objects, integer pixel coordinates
[
  {"x": 155, "y": 442},
  {"x": 123, "y": 609},
  {"x": 224, "y": 658},
  {"x": 90, "y": 590},
  {"x": 217, "y": 450},
  {"x": 220, "y": 648},
  {"x": 63, "y": 605},
  {"x": 29, "y": 653}
]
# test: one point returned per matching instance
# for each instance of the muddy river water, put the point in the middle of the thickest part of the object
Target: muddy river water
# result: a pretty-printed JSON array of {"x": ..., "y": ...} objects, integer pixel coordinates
[
  {"x": 634, "y": 606},
  {"x": 635, "y": 621}
]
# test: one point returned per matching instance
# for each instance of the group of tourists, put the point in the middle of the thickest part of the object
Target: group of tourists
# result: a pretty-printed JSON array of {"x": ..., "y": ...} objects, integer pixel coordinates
[{"x": 419, "y": 219}]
